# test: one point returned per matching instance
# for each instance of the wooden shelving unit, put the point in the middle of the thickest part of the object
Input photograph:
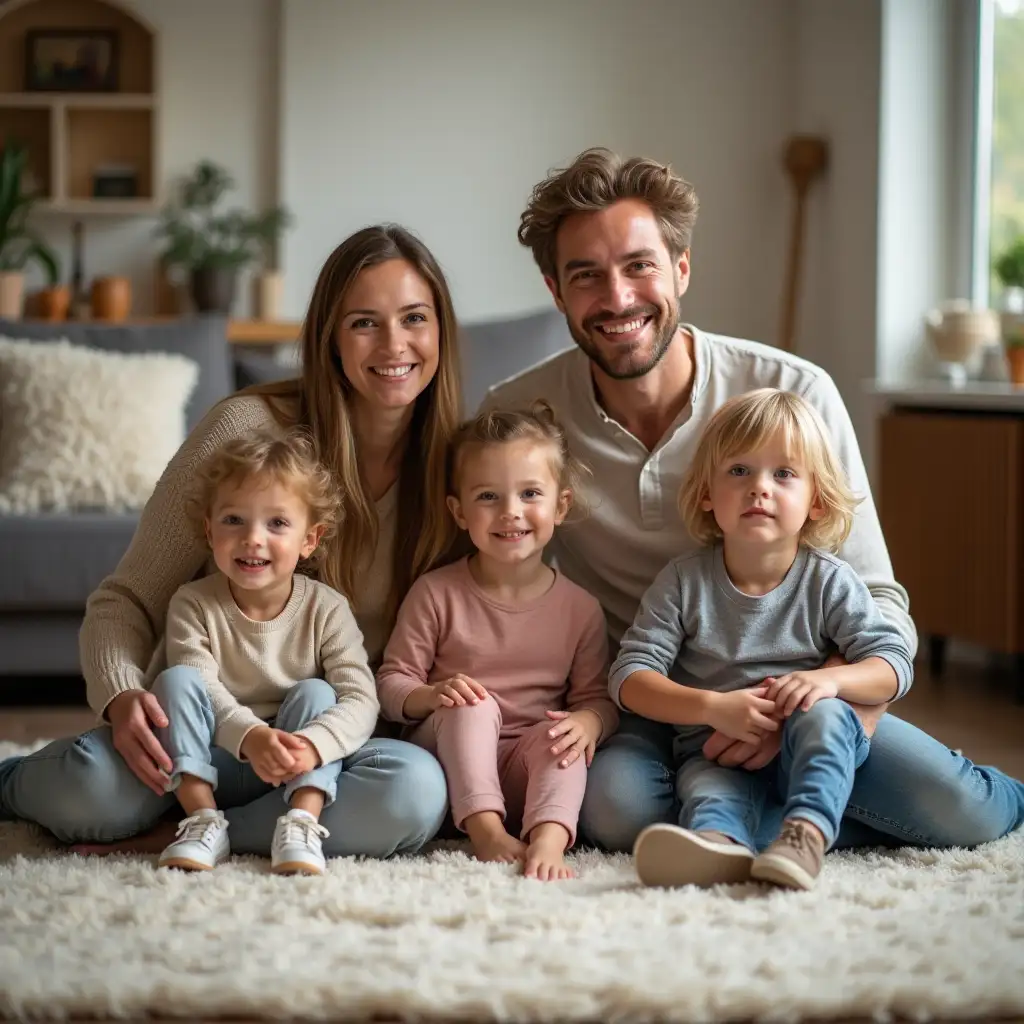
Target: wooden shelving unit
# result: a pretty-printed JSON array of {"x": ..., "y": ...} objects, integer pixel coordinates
[{"x": 69, "y": 135}]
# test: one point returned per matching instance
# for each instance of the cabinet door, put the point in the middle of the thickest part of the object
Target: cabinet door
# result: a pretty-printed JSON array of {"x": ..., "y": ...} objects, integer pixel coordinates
[{"x": 950, "y": 507}]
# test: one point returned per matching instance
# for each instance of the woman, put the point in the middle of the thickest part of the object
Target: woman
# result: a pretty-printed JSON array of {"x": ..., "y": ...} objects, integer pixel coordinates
[{"x": 379, "y": 393}]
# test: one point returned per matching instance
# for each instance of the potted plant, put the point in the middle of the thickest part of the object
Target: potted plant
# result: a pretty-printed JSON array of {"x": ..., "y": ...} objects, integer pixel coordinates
[
  {"x": 1009, "y": 268},
  {"x": 18, "y": 245},
  {"x": 212, "y": 244}
]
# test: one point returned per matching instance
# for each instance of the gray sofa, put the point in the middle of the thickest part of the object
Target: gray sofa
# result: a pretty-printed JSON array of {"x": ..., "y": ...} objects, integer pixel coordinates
[{"x": 50, "y": 563}]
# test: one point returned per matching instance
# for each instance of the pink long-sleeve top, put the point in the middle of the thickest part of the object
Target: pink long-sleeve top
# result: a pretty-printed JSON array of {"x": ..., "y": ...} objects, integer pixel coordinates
[{"x": 550, "y": 653}]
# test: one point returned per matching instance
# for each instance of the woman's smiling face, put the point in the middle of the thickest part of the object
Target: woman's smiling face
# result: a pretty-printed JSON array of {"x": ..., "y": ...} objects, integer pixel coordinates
[{"x": 389, "y": 335}]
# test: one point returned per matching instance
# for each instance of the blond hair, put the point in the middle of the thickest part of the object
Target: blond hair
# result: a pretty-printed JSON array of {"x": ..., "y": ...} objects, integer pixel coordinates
[
  {"x": 503, "y": 426},
  {"x": 263, "y": 457},
  {"x": 749, "y": 422},
  {"x": 595, "y": 180},
  {"x": 321, "y": 402}
]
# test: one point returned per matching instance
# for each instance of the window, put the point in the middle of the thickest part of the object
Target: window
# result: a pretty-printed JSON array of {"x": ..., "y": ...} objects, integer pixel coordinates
[{"x": 1000, "y": 138}]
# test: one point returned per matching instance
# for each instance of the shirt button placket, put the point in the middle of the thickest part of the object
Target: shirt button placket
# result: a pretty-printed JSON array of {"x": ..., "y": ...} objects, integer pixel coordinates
[{"x": 651, "y": 511}]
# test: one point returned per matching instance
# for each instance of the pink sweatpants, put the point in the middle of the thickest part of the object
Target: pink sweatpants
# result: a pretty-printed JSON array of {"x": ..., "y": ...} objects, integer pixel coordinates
[{"x": 518, "y": 777}]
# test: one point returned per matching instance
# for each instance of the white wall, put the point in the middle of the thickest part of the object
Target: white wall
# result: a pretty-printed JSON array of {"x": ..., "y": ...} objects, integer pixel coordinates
[
  {"x": 218, "y": 63},
  {"x": 443, "y": 115},
  {"x": 837, "y": 96}
]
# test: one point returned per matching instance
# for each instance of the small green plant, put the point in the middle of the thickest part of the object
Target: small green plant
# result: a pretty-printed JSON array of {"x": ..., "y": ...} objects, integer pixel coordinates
[
  {"x": 200, "y": 234},
  {"x": 18, "y": 245},
  {"x": 1009, "y": 264}
]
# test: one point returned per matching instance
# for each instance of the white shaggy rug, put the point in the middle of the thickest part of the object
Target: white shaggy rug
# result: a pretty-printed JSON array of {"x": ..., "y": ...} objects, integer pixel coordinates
[{"x": 914, "y": 934}]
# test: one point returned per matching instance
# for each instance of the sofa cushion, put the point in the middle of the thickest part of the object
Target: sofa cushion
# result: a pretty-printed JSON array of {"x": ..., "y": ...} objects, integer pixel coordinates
[
  {"x": 83, "y": 428},
  {"x": 496, "y": 349},
  {"x": 54, "y": 561},
  {"x": 203, "y": 339}
]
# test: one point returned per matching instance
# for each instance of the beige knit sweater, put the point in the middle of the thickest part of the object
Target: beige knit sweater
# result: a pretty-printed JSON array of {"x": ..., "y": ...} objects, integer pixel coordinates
[
  {"x": 249, "y": 666},
  {"x": 121, "y": 641}
]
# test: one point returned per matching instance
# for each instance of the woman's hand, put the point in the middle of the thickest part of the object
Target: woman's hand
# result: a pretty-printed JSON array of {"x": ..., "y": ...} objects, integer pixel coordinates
[
  {"x": 132, "y": 716},
  {"x": 579, "y": 732},
  {"x": 271, "y": 752}
]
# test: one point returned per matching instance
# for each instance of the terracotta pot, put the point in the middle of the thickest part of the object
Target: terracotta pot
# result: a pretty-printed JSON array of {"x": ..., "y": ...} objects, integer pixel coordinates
[
  {"x": 1015, "y": 362},
  {"x": 52, "y": 303},
  {"x": 12, "y": 294},
  {"x": 111, "y": 298}
]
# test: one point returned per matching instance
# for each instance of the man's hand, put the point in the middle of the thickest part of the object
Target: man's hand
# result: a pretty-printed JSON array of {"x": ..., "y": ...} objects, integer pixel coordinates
[
  {"x": 132, "y": 716},
  {"x": 742, "y": 714},
  {"x": 579, "y": 731},
  {"x": 271, "y": 752},
  {"x": 732, "y": 753}
]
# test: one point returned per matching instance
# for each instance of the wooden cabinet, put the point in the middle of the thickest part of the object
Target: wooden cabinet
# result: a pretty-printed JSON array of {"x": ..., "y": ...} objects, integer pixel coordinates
[{"x": 951, "y": 503}]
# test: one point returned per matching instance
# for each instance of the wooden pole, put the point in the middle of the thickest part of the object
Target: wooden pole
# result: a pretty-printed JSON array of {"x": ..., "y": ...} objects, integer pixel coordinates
[{"x": 805, "y": 158}]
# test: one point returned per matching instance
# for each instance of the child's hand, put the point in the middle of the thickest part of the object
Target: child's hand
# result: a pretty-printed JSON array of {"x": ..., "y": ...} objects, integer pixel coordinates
[
  {"x": 271, "y": 753},
  {"x": 742, "y": 714},
  {"x": 457, "y": 692},
  {"x": 306, "y": 758},
  {"x": 580, "y": 731},
  {"x": 800, "y": 690}
]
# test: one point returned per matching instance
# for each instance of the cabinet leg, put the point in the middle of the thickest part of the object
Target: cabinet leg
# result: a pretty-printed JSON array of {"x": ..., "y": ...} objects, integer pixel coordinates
[{"x": 936, "y": 655}]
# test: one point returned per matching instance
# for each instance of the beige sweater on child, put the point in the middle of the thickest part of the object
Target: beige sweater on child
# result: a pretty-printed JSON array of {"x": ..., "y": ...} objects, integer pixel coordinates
[
  {"x": 250, "y": 666},
  {"x": 121, "y": 642}
]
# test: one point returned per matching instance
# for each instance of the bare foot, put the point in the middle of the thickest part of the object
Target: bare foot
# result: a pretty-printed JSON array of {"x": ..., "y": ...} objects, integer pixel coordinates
[
  {"x": 545, "y": 856},
  {"x": 152, "y": 841},
  {"x": 490, "y": 841}
]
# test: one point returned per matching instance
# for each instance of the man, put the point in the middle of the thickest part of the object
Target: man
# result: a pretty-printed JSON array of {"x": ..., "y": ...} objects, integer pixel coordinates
[{"x": 612, "y": 238}]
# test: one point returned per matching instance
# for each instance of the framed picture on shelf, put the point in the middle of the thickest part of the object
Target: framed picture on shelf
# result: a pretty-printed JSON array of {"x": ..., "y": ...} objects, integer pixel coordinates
[{"x": 71, "y": 60}]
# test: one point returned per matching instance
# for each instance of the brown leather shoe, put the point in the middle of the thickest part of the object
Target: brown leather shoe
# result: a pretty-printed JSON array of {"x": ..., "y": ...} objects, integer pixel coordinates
[
  {"x": 667, "y": 855},
  {"x": 794, "y": 859}
]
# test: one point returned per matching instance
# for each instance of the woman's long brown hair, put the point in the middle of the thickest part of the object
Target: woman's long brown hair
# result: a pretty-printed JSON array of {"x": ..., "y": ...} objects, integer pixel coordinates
[{"x": 320, "y": 400}]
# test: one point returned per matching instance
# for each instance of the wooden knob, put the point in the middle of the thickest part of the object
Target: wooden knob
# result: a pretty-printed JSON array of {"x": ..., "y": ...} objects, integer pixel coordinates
[{"x": 805, "y": 158}]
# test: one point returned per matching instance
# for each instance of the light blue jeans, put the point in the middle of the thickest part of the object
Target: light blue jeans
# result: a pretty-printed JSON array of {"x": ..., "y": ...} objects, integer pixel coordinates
[
  {"x": 911, "y": 790},
  {"x": 188, "y": 735},
  {"x": 391, "y": 797},
  {"x": 812, "y": 776}
]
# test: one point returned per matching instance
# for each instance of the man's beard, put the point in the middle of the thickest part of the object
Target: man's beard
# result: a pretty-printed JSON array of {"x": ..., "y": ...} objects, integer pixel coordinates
[{"x": 633, "y": 363}]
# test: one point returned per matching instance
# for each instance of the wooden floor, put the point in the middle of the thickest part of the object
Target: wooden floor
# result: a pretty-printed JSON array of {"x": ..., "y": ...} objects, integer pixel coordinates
[{"x": 970, "y": 708}]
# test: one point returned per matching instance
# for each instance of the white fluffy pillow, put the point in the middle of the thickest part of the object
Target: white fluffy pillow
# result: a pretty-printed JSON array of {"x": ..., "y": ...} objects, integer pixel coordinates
[{"x": 84, "y": 428}]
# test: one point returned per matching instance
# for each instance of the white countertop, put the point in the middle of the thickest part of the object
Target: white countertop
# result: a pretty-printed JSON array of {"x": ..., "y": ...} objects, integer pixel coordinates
[{"x": 940, "y": 394}]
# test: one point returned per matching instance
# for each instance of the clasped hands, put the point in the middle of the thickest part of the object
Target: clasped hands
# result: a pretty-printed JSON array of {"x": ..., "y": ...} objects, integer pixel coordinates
[
  {"x": 277, "y": 756},
  {"x": 748, "y": 723}
]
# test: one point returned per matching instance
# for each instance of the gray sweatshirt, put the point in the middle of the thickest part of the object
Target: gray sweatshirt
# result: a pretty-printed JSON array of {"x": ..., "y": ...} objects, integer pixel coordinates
[{"x": 697, "y": 628}]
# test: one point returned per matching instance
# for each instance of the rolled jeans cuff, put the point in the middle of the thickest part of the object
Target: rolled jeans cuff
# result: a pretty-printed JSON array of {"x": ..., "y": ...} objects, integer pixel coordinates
[
  {"x": 324, "y": 778},
  {"x": 191, "y": 766}
]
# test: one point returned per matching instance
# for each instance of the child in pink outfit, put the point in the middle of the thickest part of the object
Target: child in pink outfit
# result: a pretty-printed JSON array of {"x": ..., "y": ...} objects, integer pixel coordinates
[{"x": 499, "y": 662}]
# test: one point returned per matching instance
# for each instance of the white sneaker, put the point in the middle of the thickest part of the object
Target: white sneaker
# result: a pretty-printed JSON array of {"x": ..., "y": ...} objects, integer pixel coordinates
[
  {"x": 202, "y": 842},
  {"x": 297, "y": 847}
]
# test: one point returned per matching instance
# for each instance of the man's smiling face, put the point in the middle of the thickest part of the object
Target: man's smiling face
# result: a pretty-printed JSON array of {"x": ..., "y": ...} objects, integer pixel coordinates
[{"x": 619, "y": 287}]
